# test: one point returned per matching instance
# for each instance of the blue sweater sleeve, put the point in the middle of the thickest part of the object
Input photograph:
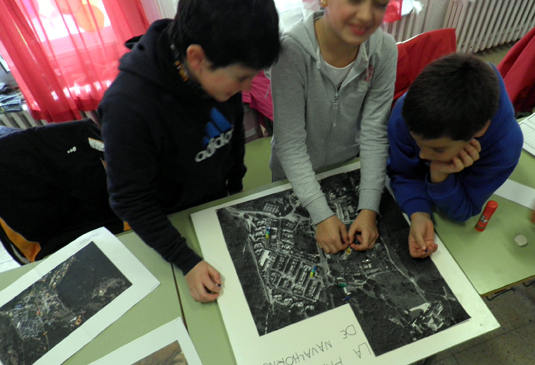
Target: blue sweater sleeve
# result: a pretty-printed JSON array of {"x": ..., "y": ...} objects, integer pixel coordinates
[{"x": 462, "y": 195}]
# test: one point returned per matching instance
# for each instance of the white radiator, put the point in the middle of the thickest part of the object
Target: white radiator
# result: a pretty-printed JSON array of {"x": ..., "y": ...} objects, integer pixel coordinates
[
  {"x": 21, "y": 120},
  {"x": 483, "y": 24},
  {"x": 409, "y": 25},
  {"x": 24, "y": 120}
]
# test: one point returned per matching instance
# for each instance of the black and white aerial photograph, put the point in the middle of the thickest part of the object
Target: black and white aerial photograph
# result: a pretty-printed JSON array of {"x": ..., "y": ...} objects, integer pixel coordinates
[
  {"x": 287, "y": 278},
  {"x": 48, "y": 311}
]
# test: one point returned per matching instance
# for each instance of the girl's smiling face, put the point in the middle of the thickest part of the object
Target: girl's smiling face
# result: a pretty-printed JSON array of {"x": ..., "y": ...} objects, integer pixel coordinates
[{"x": 354, "y": 21}]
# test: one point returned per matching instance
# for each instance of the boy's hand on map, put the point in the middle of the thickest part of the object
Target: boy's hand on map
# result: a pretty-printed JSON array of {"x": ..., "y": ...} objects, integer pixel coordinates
[
  {"x": 204, "y": 282},
  {"x": 331, "y": 235},
  {"x": 422, "y": 235}
]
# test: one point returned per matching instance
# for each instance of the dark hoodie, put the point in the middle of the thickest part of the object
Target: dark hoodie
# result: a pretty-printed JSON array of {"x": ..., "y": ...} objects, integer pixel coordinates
[{"x": 168, "y": 145}]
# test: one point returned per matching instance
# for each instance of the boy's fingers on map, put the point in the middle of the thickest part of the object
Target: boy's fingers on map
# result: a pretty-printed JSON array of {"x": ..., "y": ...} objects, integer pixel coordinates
[
  {"x": 213, "y": 287},
  {"x": 201, "y": 294},
  {"x": 213, "y": 282},
  {"x": 417, "y": 245},
  {"x": 432, "y": 248},
  {"x": 208, "y": 291},
  {"x": 207, "y": 296},
  {"x": 200, "y": 281},
  {"x": 421, "y": 243},
  {"x": 214, "y": 274},
  {"x": 415, "y": 251}
]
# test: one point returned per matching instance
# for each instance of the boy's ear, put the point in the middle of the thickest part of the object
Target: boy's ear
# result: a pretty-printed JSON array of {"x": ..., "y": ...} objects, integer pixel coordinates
[
  {"x": 483, "y": 130},
  {"x": 195, "y": 57}
]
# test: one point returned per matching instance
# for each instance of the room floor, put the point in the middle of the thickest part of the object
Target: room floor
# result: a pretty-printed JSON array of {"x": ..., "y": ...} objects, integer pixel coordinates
[{"x": 511, "y": 344}]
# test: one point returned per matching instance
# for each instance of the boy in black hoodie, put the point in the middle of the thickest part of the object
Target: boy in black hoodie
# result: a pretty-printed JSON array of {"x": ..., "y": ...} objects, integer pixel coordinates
[{"x": 172, "y": 121}]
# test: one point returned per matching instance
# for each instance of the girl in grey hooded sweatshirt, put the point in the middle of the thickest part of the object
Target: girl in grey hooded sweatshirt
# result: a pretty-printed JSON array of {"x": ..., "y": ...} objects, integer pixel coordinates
[{"x": 332, "y": 93}]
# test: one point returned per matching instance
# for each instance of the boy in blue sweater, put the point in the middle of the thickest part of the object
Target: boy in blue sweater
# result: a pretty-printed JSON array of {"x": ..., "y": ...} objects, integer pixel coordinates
[
  {"x": 172, "y": 121},
  {"x": 453, "y": 141}
]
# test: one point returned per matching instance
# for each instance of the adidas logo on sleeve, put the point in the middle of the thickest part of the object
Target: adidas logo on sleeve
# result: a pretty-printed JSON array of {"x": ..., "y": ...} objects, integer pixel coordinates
[{"x": 218, "y": 134}]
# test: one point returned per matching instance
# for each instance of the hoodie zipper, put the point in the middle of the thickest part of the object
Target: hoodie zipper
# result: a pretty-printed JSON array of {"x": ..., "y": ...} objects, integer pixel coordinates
[
  {"x": 335, "y": 100},
  {"x": 335, "y": 108},
  {"x": 333, "y": 121}
]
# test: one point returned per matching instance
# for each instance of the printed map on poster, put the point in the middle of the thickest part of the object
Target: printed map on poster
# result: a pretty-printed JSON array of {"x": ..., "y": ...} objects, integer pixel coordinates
[{"x": 287, "y": 279}]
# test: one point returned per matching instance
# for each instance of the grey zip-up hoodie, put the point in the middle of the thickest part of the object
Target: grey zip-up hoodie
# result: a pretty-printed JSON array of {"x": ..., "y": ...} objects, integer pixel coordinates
[{"x": 316, "y": 125}]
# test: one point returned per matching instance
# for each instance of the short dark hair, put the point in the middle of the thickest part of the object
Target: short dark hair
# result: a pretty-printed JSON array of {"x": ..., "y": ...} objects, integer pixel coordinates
[
  {"x": 244, "y": 32},
  {"x": 453, "y": 97}
]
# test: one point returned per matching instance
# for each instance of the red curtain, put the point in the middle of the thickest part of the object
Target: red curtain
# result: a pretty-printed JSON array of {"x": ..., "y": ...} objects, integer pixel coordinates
[
  {"x": 64, "y": 53},
  {"x": 393, "y": 11}
]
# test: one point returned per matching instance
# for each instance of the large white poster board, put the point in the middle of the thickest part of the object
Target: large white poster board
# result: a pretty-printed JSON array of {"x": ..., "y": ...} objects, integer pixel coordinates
[
  {"x": 378, "y": 307},
  {"x": 69, "y": 298},
  {"x": 168, "y": 344}
]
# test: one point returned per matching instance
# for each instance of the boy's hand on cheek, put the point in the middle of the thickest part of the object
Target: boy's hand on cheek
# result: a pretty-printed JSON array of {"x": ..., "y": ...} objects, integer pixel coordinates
[
  {"x": 474, "y": 144},
  {"x": 469, "y": 154},
  {"x": 439, "y": 171}
]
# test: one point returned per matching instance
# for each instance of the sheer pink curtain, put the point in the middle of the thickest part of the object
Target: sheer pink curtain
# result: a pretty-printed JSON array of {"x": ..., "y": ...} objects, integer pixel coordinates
[{"x": 64, "y": 53}]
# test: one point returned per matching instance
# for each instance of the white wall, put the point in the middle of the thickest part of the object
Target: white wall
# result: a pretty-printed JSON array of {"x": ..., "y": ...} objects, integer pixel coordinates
[
  {"x": 158, "y": 9},
  {"x": 6, "y": 77},
  {"x": 291, "y": 11}
]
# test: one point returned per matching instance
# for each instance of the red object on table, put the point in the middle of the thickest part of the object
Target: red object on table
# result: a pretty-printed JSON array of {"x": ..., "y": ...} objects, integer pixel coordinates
[{"x": 489, "y": 210}]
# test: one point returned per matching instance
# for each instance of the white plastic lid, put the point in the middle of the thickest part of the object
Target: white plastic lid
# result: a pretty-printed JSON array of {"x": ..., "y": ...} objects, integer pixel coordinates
[{"x": 521, "y": 241}]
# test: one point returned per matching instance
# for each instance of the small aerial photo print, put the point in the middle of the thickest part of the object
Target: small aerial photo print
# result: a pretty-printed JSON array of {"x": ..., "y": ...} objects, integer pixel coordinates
[
  {"x": 48, "y": 311},
  {"x": 169, "y": 355}
]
